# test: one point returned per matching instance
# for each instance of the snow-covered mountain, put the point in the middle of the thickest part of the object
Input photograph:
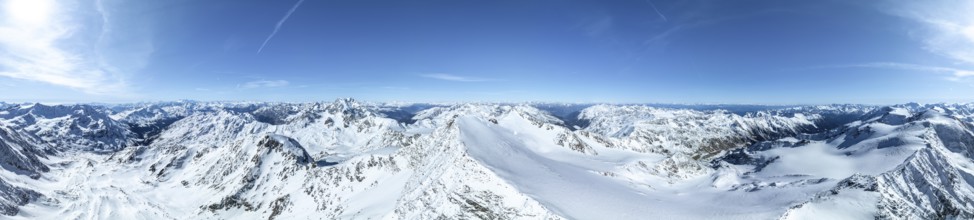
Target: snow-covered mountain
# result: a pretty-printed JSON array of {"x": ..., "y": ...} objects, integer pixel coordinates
[
  {"x": 352, "y": 160},
  {"x": 69, "y": 127}
]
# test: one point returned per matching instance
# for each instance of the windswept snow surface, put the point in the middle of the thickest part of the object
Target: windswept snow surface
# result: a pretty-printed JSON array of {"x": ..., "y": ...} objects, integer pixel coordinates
[
  {"x": 352, "y": 160},
  {"x": 567, "y": 185}
]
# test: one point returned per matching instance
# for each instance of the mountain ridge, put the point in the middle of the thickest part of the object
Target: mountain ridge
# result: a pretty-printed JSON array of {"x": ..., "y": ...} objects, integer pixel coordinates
[{"x": 349, "y": 159}]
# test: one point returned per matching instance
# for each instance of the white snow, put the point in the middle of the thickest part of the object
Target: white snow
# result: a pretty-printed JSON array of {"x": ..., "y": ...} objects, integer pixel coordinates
[{"x": 473, "y": 161}]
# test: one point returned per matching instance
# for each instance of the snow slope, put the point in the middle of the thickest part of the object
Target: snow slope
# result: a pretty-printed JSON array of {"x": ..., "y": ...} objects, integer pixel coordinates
[{"x": 351, "y": 160}]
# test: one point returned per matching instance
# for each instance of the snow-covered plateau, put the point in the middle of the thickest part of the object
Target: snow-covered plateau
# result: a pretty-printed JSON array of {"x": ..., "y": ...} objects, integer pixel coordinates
[{"x": 355, "y": 160}]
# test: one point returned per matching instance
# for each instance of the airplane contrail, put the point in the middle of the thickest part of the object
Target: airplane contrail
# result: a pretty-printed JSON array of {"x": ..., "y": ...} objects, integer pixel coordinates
[
  {"x": 657, "y": 10},
  {"x": 279, "y": 24}
]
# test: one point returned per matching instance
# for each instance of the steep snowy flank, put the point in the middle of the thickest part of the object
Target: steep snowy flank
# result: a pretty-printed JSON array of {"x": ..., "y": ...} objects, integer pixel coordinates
[
  {"x": 11, "y": 197},
  {"x": 448, "y": 183},
  {"x": 554, "y": 183},
  {"x": 695, "y": 133},
  {"x": 70, "y": 127},
  {"x": 933, "y": 181},
  {"x": 21, "y": 154},
  {"x": 19, "y": 157}
]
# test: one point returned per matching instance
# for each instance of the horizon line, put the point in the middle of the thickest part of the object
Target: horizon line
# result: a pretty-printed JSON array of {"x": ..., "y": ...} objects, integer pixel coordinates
[{"x": 468, "y": 102}]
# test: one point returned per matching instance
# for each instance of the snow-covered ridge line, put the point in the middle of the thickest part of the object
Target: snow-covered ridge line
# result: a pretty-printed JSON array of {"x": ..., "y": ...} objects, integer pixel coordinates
[{"x": 353, "y": 160}]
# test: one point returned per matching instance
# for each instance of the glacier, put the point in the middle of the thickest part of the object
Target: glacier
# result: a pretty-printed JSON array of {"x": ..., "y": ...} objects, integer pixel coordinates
[{"x": 349, "y": 159}]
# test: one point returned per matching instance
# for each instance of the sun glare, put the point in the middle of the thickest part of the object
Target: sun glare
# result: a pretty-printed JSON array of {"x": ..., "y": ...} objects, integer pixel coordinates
[
  {"x": 969, "y": 32},
  {"x": 29, "y": 12}
]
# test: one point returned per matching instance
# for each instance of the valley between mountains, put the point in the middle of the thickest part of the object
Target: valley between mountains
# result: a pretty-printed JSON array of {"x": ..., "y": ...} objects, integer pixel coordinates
[{"x": 357, "y": 160}]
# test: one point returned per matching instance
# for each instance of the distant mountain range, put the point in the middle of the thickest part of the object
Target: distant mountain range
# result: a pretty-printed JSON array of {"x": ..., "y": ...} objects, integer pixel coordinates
[{"x": 355, "y": 160}]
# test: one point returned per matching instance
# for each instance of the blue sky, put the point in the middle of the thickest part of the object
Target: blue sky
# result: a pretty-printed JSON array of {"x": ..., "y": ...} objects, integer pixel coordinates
[{"x": 691, "y": 51}]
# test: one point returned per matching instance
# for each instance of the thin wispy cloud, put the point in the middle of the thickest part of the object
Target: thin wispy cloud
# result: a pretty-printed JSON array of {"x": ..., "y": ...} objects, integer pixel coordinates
[
  {"x": 657, "y": 10},
  {"x": 32, "y": 36},
  {"x": 123, "y": 45},
  {"x": 662, "y": 38},
  {"x": 596, "y": 26},
  {"x": 278, "y": 26},
  {"x": 947, "y": 27},
  {"x": 265, "y": 84},
  {"x": 953, "y": 74},
  {"x": 454, "y": 78}
]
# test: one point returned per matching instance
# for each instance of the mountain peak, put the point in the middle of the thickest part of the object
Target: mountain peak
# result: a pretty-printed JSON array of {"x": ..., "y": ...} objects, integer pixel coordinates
[
  {"x": 342, "y": 159},
  {"x": 286, "y": 146}
]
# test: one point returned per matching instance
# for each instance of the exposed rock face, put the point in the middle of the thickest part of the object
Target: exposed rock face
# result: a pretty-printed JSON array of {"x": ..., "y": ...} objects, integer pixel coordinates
[
  {"x": 285, "y": 146},
  {"x": 73, "y": 127},
  {"x": 701, "y": 134},
  {"x": 20, "y": 154},
  {"x": 11, "y": 197},
  {"x": 351, "y": 160}
]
